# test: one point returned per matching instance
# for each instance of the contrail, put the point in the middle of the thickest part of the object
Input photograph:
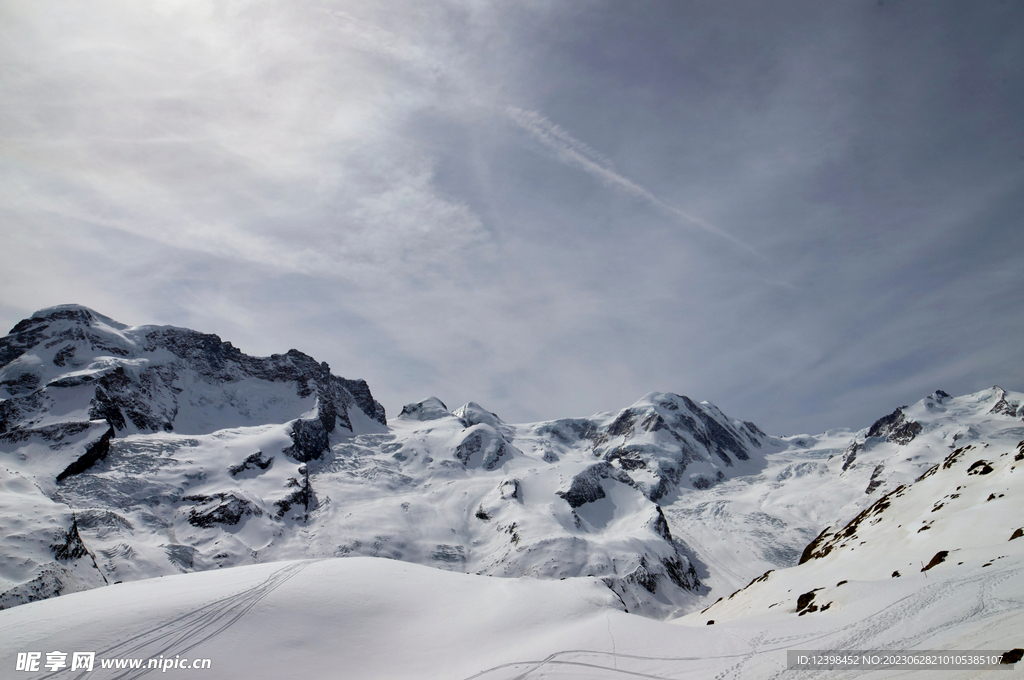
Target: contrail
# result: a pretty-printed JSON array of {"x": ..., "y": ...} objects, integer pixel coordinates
[{"x": 572, "y": 151}]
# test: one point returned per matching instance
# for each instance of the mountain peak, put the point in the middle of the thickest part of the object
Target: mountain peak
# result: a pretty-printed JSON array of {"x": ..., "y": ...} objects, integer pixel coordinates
[
  {"x": 430, "y": 408},
  {"x": 74, "y": 312}
]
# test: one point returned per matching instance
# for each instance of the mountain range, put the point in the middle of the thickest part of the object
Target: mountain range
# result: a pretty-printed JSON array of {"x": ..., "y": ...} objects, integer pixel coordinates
[{"x": 129, "y": 453}]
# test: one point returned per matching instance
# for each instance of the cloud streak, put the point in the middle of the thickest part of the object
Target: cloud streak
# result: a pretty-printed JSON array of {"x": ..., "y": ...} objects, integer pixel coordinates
[{"x": 578, "y": 154}]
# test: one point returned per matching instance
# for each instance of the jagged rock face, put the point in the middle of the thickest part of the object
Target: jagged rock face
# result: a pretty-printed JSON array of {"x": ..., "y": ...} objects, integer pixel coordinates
[
  {"x": 253, "y": 463},
  {"x": 895, "y": 428},
  {"x": 222, "y": 508},
  {"x": 1006, "y": 406},
  {"x": 74, "y": 364},
  {"x": 586, "y": 486}
]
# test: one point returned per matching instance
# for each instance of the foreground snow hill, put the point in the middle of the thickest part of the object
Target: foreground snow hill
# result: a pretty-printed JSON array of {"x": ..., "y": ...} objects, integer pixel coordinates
[{"x": 373, "y": 618}]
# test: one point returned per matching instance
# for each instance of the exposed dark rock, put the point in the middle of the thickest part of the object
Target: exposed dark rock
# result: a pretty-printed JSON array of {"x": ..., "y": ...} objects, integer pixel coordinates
[
  {"x": 586, "y": 486},
  {"x": 15, "y": 409},
  {"x": 50, "y": 582},
  {"x": 660, "y": 525},
  {"x": 1018, "y": 533},
  {"x": 895, "y": 428},
  {"x": 929, "y": 472},
  {"x": 938, "y": 559},
  {"x": 62, "y": 357},
  {"x": 681, "y": 573},
  {"x": 119, "y": 396},
  {"x": 302, "y": 496},
  {"x": 644, "y": 577},
  {"x": 875, "y": 482},
  {"x": 653, "y": 422},
  {"x": 146, "y": 398},
  {"x": 69, "y": 545},
  {"x": 310, "y": 440},
  {"x": 714, "y": 436},
  {"x": 1012, "y": 656},
  {"x": 816, "y": 548},
  {"x": 702, "y": 483},
  {"x": 851, "y": 455},
  {"x": 23, "y": 384},
  {"x": 895, "y": 574},
  {"x": 94, "y": 453},
  {"x": 570, "y": 430},
  {"x": 1004, "y": 407},
  {"x": 219, "y": 508},
  {"x": 629, "y": 458},
  {"x": 482, "y": 514},
  {"x": 487, "y": 440},
  {"x": 255, "y": 461},
  {"x": 50, "y": 433},
  {"x": 622, "y": 425},
  {"x": 979, "y": 467},
  {"x": 804, "y": 603}
]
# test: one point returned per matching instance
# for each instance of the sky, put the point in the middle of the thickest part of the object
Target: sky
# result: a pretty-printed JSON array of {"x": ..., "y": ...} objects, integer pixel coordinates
[{"x": 807, "y": 213}]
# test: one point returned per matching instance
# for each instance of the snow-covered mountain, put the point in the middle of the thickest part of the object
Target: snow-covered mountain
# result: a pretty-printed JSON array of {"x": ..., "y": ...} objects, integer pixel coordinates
[
  {"x": 153, "y": 450},
  {"x": 129, "y": 453}
]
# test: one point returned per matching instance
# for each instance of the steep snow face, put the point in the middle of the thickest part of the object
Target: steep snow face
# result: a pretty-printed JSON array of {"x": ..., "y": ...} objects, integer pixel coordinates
[{"x": 962, "y": 516}]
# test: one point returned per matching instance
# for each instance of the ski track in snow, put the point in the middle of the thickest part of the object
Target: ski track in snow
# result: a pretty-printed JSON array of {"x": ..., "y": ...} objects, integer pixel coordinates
[{"x": 181, "y": 634}]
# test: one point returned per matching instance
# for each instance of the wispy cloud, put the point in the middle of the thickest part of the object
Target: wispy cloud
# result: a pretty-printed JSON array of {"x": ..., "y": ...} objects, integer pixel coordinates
[{"x": 572, "y": 151}]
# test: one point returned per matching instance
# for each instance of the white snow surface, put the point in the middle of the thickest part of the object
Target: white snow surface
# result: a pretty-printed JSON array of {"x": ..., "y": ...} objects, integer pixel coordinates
[
  {"x": 226, "y": 530},
  {"x": 373, "y": 618}
]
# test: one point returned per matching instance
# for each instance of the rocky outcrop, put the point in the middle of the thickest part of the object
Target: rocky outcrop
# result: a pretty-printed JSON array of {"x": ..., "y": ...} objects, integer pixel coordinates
[
  {"x": 1004, "y": 406},
  {"x": 310, "y": 440},
  {"x": 586, "y": 486},
  {"x": 484, "y": 446},
  {"x": 94, "y": 452},
  {"x": 895, "y": 428},
  {"x": 219, "y": 508},
  {"x": 255, "y": 461},
  {"x": 69, "y": 545}
]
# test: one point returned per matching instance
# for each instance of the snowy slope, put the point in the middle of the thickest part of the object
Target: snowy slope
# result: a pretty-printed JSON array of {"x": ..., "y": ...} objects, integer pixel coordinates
[
  {"x": 373, "y": 618},
  {"x": 947, "y": 549},
  {"x": 748, "y": 525}
]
